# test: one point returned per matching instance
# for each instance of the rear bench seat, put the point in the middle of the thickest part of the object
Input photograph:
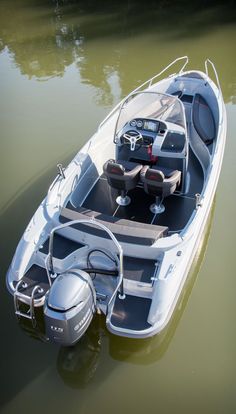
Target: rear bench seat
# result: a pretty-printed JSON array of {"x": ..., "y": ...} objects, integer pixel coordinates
[{"x": 126, "y": 231}]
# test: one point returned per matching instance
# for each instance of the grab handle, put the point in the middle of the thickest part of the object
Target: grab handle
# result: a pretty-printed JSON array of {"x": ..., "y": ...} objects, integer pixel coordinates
[
  {"x": 49, "y": 259},
  {"x": 148, "y": 83},
  {"x": 215, "y": 72},
  {"x": 168, "y": 66}
]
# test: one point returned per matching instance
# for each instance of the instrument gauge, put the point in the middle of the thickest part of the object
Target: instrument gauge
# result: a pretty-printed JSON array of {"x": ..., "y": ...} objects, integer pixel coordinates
[
  {"x": 133, "y": 123},
  {"x": 139, "y": 123}
]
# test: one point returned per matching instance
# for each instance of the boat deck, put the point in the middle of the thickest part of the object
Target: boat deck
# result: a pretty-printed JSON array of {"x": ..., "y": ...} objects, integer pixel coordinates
[
  {"x": 178, "y": 208},
  {"x": 131, "y": 313},
  {"x": 62, "y": 246}
]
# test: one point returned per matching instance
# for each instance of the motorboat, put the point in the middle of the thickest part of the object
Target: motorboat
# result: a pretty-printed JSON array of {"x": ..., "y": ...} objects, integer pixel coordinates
[{"x": 121, "y": 224}]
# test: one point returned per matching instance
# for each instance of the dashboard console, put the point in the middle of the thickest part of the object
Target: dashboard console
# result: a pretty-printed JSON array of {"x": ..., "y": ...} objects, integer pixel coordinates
[{"x": 156, "y": 136}]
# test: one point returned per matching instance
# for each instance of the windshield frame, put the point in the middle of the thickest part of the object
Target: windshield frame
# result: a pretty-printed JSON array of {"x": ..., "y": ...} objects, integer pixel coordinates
[{"x": 132, "y": 95}]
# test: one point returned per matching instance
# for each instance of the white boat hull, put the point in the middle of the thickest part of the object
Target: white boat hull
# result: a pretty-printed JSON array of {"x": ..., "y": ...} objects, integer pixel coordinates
[{"x": 177, "y": 251}]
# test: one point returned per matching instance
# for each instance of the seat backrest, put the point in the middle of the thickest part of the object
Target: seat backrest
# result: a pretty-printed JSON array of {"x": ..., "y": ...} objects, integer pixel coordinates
[
  {"x": 155, "y": 175},
  {"x": 112, "y": 168},
  {"x": 122, "y": 175},
  {"x": 157, "y": 184}
]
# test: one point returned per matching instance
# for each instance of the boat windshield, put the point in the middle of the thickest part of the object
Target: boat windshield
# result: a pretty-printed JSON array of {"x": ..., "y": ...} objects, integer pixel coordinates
[{"x": 150, "y": 105}]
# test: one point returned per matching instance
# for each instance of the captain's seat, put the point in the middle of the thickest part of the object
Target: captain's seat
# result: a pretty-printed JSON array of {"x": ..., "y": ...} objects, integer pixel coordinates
[
  {"x": 159, "y": 182},
  {"x": 124, "y": 176}
]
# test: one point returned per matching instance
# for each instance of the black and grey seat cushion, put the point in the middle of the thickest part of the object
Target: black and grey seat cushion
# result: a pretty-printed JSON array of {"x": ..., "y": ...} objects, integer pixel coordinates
[
  {"x": 122, "y": 175},
  {"x": 203, "y": 119},
  {"x": 160, "y": 182}
]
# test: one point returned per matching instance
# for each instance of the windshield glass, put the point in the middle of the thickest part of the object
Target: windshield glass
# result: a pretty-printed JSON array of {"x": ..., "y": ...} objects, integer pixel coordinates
[{"x": 150, "y": 105}]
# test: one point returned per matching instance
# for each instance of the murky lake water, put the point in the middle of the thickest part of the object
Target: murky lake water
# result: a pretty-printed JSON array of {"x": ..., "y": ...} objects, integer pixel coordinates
[{"x": 63, "y": 66}]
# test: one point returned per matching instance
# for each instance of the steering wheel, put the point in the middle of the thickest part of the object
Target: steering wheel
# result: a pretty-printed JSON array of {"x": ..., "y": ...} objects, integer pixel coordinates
[{"x": 132, "y": 137}]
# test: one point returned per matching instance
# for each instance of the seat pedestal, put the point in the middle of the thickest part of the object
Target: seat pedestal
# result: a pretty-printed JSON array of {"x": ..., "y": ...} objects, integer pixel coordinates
[
  {"x": 123, "y": 199},
  {"x": 157, "y": 207}
]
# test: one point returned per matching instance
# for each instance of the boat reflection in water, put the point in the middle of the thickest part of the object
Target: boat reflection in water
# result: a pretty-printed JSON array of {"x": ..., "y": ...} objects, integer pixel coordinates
[{"x": 78, "y": 364}]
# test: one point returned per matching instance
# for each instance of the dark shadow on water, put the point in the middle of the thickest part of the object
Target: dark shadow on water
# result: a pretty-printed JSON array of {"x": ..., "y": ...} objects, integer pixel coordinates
[
  {"x": 77, "y": 365},
  {"x": 83, "y": 363},
  {"x": 22, "y": 359}
]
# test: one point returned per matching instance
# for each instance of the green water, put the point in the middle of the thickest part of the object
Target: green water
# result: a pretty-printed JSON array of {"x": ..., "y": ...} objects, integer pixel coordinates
[{"x": 63, "y": 66}]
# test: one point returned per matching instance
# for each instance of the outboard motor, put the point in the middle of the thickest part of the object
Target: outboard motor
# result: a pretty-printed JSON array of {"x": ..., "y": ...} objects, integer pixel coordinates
[{"x": 69, "y": 307}]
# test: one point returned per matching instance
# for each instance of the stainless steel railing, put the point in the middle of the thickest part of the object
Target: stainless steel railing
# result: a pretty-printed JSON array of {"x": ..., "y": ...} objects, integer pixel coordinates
[
  {"x": 148, "y": 83},
  {"x": 49, "y": 259},
  {"x": 207, "y": 61}
]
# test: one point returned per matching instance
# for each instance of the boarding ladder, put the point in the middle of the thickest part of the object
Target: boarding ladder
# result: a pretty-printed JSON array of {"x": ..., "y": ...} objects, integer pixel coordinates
[{"x": 20, "y": 298}]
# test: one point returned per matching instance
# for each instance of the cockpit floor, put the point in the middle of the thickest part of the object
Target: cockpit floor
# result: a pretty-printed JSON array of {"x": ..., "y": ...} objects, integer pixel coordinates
[{"x": 178, "y": 209}]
